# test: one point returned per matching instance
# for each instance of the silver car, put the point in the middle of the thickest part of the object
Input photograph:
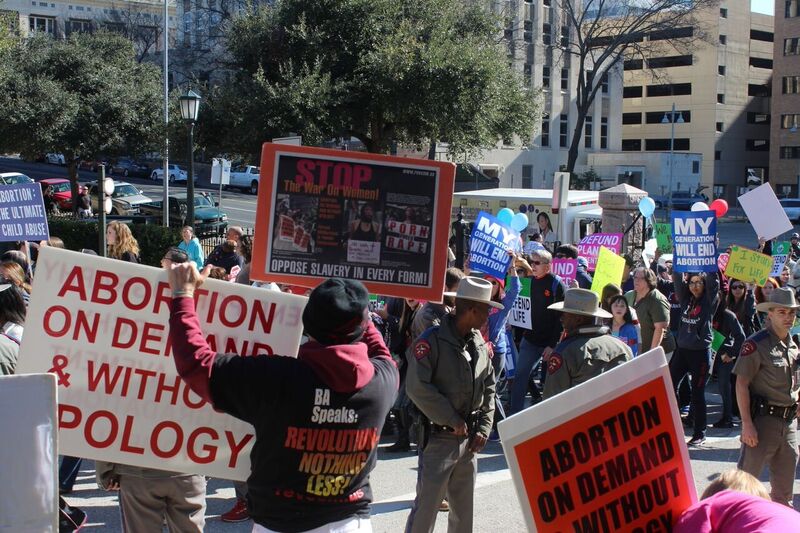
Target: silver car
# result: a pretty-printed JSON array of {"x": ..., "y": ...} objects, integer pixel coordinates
[
  {"x": 792, "y": 208},
  {"x": 125, "y": 200}
]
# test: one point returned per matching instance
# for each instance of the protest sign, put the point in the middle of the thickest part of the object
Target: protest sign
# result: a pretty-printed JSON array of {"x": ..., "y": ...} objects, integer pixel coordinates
[
  {"x": 606, "y": 455},
  {"x": 589, "y": 247},
  {"x": 722, "y": 261},
  {"x": 748, "y": 266},
  {"x": 765, "y": 212},
  {"x": 780, "y": 254},
  {"x": 489, "y": 245},
  {"x": 694, "y": 241},
  {"x": 28, "y": 453},
  {"x": 610, "y": 267},
  {"x": 520, "y": 315},
  {"x": 102, "y": 327},
  {"x": 664, "y": 237},
  {"x": 717, "y": 341},
  {"x": 381, "y": 220},
  {"x": 566, "y": 269},
  {"x": 22, "y": 214}
]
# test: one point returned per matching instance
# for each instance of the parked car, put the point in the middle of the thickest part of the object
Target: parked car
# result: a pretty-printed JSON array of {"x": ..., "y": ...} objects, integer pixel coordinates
[
  {"x": 792, "y": 208},
  {"x": 680, "y": 200},
  {"x": 208, "y": 219},
  {"x": 125, "y": 200},
  {"x": 12, "y": 178},
  {"x": 62, "y": 194},
  {"x": 176, "y": 173},
  {"x": 93, "y": 165},
  {"x": 245, "y": 178},
  {"x": 55, "y": 159},
  {"x": 129, "y": 167}
]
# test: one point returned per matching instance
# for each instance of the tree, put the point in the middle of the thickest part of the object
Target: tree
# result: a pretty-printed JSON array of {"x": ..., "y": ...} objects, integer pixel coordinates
[
  {"x": 603, "y": 32},
  {"x": 143, "y": 28},
  {"x": 83, "y": 96},
  {"x": 383, "y": 71}
]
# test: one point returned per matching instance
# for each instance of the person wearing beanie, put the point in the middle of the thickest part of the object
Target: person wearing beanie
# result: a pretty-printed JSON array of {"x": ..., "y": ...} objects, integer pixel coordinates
[{"x": 344, "y": 366}]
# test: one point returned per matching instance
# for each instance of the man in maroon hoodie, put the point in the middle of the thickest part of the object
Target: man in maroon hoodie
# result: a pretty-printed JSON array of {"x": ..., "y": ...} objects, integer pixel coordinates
[{"x": 317, "y": 417}]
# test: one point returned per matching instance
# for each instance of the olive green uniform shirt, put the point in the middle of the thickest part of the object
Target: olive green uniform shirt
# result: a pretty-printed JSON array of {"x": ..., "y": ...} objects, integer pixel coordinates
[{"x": 651, "y": 310}]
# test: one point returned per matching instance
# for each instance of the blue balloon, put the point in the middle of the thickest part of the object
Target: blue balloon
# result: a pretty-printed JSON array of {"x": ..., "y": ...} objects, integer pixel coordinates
[
  {"x": 505, "y": 215},
  {"x": 647, "y": 206},
  {"x": 519, "y": 222}
]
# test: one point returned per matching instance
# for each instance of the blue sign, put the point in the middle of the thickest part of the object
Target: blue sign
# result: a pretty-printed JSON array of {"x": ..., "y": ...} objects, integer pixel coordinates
[
  {"x": 694, "y": 240},
  {"x": 22, "y": 214},
  {"x": 488, "y": 246}
]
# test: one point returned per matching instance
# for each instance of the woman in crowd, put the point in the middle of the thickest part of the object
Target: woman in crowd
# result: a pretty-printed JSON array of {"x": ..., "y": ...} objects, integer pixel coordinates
[
  {"x": 652, "y": 311},
  {"x": 742, "y": 301},
  {"x": 246, "y": 251},
  {"x": 762, "y": 295},
  {"x": 191, "y": 245},
  {"x": 609, "y": 292},
  {"x": 121, "y": 243},
  {"x": 698, "y": 300},
  {"x": 786, "y": 276},
  {"x": 623, "y": 326},
  {"x": 12, "y": 321},
  {"x": 726, "y": 323},
  {"x": 14, "y": 273}
]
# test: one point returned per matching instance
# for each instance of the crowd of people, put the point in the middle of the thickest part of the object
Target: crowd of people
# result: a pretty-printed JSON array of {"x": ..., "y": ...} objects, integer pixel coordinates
[{"x": 437, "y": 375}]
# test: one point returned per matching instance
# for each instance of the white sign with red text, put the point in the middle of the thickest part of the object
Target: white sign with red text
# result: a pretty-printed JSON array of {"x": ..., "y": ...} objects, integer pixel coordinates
[{"x": 102, "y": 327}]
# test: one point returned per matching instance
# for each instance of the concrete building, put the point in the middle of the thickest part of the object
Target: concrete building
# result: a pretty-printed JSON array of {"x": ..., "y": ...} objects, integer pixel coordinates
[
  {"x": 784, "y": 157},
  {"x": 721, "y": 91},
  {"x": 649, "y": 171},
  {"x": 533, "y": 36}
]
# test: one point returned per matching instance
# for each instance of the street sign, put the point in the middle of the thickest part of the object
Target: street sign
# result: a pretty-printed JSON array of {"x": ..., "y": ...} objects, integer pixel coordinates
[{"x": 220, "y": 171}]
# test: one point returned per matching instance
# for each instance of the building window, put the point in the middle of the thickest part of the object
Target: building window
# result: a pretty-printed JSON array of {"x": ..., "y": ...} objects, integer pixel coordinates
[
  {"x": 757, "y": 118},
  {"x": 633, "y": 64},
  {"x": 670, "y": 61},
  {"x": 545, "y": 132},
  {"x": 562, "y": 130},
  {"x": 604, "y": 83},
  {"x": 723, "y": 12},
  {"x": 42, "y": 24},
  {"x": 791, "y": 46},
  {"x": 662, "y": 145},
  {"x": 695, "y": 167},
  {"x": 631, "y": 118},
  {"x": 791, "y": 84},
  {"x": 791, "y": 8},
  {"x": 677, "y": 33},
  {"x": 527, "y": 176},
  {"x": 759, "y": 35},
  {"x": 669, "y": 89},
  {"x": 720, "y": 126},
  {"x": 631, "y": 145},
  {"x": 527, "y": 71},
  {"x": 790, "y": 152},
  {"x": 720, "y": 98},
  {"x": 603, "y": 133},
  {"x": 564, "y": 79},
  {"x": 721, "y": 70},
  {"x": 564, "y": 36},
  {"x": 546, "y": 34},
  {"x": 719, "y": 191},
  {"x": 723, "y": 39},
  {"x": 762, "y": 91},
  {"x": 546, "y": 3},
  {"x": 587, "y": 132},
  {"x": 546, "y": 77},
  {"x": 760, "y": 62},
  {"x": 717, "y": 155},
  {"x": 757, "y": 145},
  {"x": 80, "y": 26},
  {"x": 633, "y": 91},
  {"x": 657, "y": 117},
  {"x": 789, "y": 121}
]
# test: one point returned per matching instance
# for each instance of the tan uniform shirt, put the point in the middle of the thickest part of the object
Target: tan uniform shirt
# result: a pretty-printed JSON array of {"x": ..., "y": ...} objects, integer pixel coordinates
[{"x": 771, "y": 366}]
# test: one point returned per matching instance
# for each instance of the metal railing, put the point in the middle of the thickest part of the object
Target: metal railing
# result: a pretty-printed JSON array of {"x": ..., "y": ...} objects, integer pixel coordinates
[{"x": 209, "y": 243}]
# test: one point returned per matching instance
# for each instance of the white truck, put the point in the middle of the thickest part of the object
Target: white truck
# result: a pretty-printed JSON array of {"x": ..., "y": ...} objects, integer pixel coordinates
[
  {"x": 581, "y": 216},
  {"x": 245, "y": 177}
]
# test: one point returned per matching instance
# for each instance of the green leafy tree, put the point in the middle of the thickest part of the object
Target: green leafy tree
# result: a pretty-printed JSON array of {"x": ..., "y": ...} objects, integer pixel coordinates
[
  {"x": 82, "y": 96},
  {"x": 383, "y": 71}
]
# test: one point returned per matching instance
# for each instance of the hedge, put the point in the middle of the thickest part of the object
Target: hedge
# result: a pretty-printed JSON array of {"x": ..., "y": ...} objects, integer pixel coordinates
[{"x": 153, "y": 240}]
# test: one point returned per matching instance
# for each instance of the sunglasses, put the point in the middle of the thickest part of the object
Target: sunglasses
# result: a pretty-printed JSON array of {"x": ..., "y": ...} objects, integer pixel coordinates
[
  {"x": 737, "y": 287},
  {"x": 537, "y": 263}
]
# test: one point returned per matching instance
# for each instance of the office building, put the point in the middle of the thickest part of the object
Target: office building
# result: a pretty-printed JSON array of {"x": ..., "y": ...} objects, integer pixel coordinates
[{"x": 784, "y": 159}]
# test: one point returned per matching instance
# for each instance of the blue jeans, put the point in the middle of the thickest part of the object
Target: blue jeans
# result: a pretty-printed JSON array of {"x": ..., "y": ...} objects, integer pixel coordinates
[{"x": 529, "y": 355}]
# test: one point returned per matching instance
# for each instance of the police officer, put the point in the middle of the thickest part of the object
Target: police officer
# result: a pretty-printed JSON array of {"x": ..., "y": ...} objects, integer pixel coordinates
[
  {"x": 587, "y": 350},
  {"x": 767, "y": 388},
  {"x": 451, "y": 380}
]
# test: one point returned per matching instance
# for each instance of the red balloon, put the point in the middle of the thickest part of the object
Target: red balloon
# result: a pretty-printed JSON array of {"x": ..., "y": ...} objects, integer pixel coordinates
[{"x": 719, "y": 206}]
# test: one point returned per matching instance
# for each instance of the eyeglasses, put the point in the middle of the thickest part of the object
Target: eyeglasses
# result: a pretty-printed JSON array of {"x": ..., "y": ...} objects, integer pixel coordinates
[
  {"x": 696, "y": 283},
  {"x": 537, "y": 263},
  {"x": 737, "y": 287}
]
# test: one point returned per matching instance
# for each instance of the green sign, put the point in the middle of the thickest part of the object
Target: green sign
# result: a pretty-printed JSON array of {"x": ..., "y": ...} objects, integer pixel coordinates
[
  {"x": 520, "y": 315},
  {"x": 718, "y": 340},
  {"x": 664, "y": 237}
]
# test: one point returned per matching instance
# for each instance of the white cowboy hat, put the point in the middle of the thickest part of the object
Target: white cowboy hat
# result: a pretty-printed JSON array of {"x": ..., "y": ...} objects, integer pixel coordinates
[
  {"x": 783, "y": 297},
  {"x": 581, "y": 302},
  {"x": 476, "y": 289}
]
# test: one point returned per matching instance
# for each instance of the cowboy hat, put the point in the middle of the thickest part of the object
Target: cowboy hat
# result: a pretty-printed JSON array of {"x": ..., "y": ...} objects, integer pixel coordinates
[
  {"x": 581, "y": 302},
  {"x": 783, "y": 297},
  {"x": 476, "y": 289}
]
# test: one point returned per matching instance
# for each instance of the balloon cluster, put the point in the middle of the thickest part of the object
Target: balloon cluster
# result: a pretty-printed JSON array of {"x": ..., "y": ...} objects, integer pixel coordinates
[
  {"x": 719, "y": 206},
  {"x": 518, "y": 221}
]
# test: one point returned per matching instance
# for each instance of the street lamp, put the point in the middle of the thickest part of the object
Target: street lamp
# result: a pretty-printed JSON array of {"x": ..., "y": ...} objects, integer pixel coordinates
[
  {"x": 190, "y": 105},
  {"x": 670, "y": 119}
]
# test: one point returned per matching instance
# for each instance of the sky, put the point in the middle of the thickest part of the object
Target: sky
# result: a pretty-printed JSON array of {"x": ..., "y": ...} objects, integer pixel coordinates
[{"x": 763, "y": 6}]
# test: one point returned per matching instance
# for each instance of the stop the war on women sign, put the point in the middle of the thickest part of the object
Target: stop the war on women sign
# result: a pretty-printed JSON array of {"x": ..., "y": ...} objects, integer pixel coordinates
[
  {"x": 101, "y": 326},
  {"x": 694, "y": 241},
  {"x": 606, "y": 455}
]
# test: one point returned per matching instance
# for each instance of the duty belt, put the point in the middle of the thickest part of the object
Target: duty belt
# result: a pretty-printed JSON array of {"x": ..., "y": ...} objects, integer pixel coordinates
[{"x": 786, "y": 413}]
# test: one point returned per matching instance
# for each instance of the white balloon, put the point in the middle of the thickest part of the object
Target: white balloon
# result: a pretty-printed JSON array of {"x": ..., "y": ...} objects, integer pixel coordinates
[{"x": 700, "y": 206}]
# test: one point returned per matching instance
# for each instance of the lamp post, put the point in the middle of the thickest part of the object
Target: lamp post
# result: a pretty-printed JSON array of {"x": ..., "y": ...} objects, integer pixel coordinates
[
  {"x": 671, "y": 120},
  {"x": 190, "y": 105},
  {"x": 105, "y": 188},
  {"x": 165, "y": 210}
]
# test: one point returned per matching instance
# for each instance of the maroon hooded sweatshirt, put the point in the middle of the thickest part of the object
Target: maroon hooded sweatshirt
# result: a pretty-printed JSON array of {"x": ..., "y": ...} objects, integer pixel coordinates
[{"x": 317, "y": 419}]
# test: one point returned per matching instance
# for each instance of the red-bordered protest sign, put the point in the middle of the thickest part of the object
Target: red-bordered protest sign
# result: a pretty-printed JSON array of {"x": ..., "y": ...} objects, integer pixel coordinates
[
  {"x": 606, "y": 455},
  {"x": 382, "y": 220},
  {"x": 102, "y": 327}
]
